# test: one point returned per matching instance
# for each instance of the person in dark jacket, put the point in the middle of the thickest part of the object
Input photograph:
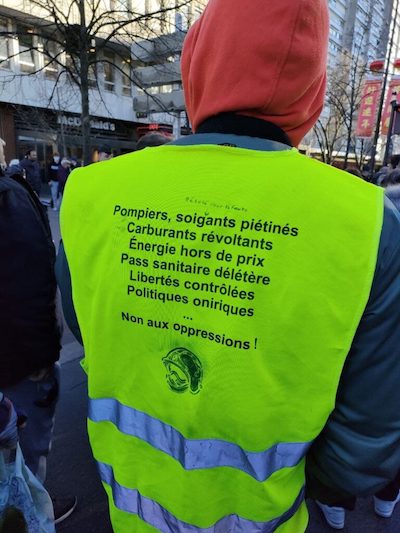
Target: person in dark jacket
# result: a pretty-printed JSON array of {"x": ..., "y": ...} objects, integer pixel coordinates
[
  {"x": 391, "y": 184},
  {"x": 104, "y": 153},
  {"x": 32, "y": 170},
  {"x": 30, "y": 331},
  {"x": 62, "y": 175},
  {"x": 53, "y": 180},
  {"x": 15, "y": 169}
]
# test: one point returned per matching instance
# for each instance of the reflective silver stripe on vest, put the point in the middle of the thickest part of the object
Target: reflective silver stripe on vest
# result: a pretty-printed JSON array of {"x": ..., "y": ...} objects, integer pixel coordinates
[
  {"x": 151, "y": 512},
  {"x": 200, "y": 453}
]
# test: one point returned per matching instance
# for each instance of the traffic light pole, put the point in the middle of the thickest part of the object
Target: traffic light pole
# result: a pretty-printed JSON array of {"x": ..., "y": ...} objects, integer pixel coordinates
[{"x": 395, "y": 107}]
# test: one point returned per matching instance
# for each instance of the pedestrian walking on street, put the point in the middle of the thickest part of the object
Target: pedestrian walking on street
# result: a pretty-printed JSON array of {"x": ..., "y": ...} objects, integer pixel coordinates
[
  {"x": 104, "y": 153},
  {"x": 62, "y": 176},
  {"x": 32, "y": 170},
  {"x": 53, "y": 180},
  {"x": 391, "y": 184},
  {"x": 75, "y": 162},
  {"x": 238, "y": 301}
]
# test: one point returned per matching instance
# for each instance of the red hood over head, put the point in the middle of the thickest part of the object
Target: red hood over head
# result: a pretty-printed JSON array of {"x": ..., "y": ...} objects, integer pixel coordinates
[{"x": 261, "y": 58}]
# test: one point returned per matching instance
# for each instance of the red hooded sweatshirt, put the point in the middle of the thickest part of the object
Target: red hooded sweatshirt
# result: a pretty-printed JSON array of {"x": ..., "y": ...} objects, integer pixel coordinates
[{"x": 261, "y": 58}]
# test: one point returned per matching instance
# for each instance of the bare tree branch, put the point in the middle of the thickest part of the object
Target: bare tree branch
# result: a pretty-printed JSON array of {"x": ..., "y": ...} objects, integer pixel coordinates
[{"x": 71, "y": 42}]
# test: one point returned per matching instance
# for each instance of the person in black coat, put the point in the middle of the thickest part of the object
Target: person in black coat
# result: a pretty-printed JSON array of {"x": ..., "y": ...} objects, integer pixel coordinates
[
  {"x": 30, "y": 331},
  {"x": 32, "y": 170},
  {"x": 53, "y": 179}
]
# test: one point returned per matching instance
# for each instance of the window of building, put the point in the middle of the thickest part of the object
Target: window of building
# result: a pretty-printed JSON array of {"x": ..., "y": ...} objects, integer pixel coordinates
[
  {"x": 109, "y": 70},
  {"x": 165, "y": 89},
  {"x": 187, "y": 16},
  {"x": 126, "y": 76},
  {"x": 50, "y": 51},
  {"x": 69, "y": 62},
  {"x": 178, "y": 21},
  {"x": 92, "y": 75},
  {"x": 27, "y": 6},
  {"x": 26, "y": 56},
  {"x": 120, "y": 5},
  {"x": 333, "y": 47},
  {"x": 4, "y": 45}
]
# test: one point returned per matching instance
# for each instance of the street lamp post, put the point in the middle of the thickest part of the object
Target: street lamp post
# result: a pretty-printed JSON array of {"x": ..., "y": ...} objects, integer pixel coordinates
[
  {"x": 385, "y": 78},
  {"x": 394, "y": 109}
]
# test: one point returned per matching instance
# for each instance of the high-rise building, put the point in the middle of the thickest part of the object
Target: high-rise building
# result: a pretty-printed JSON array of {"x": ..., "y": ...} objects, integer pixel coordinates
[
  {"x": 361, "y": 31},
  {"x": 359, "y": 26}
]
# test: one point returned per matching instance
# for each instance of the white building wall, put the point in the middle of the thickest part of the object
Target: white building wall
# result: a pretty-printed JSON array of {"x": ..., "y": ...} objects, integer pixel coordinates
[{"x": 38, "y": 91}]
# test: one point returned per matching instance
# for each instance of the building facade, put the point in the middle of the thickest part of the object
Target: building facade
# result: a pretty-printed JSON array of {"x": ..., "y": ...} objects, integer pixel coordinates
[
  {"x": 359, "y": 26},
  {"x": 42, "y": 71},
  {"x": 360, "y": 33},
  {"x": 159, "y": 95}
]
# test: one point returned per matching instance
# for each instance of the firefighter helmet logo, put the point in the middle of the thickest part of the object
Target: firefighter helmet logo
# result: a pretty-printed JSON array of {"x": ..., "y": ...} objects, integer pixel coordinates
[{"x": 184, "y": 371}]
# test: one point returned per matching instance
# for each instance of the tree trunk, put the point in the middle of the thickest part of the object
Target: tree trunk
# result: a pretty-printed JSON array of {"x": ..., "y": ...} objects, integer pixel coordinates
[
  {"x": 348, "y": 143},
  {"x": 85, "y": 118},
  {"x": 84, "y": 81}
]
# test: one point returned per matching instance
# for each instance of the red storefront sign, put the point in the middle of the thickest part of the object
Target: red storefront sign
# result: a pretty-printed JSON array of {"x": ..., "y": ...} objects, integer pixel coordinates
[
  {"x": 371, "y": 93},
  {"x": 394, "y": 86}
]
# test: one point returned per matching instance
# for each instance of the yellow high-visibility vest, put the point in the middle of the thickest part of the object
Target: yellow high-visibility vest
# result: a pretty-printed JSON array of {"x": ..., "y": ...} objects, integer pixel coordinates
[{"x": 218, "y": 291}]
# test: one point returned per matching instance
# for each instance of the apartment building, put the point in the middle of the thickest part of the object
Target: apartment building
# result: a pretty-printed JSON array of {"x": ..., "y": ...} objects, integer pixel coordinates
[
  {"x": 360, "y": 32},
  {"x": 158, "y": 96},
  {"x": 42, "y": 72},
  {"x": 359, "y": 26}
]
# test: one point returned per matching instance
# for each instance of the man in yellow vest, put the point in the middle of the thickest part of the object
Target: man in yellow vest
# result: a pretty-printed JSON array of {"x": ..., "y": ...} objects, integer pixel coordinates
[{"x": 237, "y": 301}]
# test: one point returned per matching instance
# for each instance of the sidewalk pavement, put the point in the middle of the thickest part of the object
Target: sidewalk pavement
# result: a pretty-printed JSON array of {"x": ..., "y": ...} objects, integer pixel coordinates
[{"x": 71, "y": 468}]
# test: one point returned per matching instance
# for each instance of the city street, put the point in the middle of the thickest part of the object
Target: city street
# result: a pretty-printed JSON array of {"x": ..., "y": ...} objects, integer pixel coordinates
[{"x": 71, "y": 468}]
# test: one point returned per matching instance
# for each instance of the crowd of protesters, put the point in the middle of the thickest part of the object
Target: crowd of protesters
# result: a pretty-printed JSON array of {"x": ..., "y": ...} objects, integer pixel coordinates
[
  {"x": 30, "y": 323},
  {"x": 29, "y": 394}
]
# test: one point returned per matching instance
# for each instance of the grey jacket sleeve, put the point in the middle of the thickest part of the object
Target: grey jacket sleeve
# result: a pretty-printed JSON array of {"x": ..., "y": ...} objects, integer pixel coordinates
[
  {"x": 358, "y": 452},
  {"x": 64, "y": 282}
]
